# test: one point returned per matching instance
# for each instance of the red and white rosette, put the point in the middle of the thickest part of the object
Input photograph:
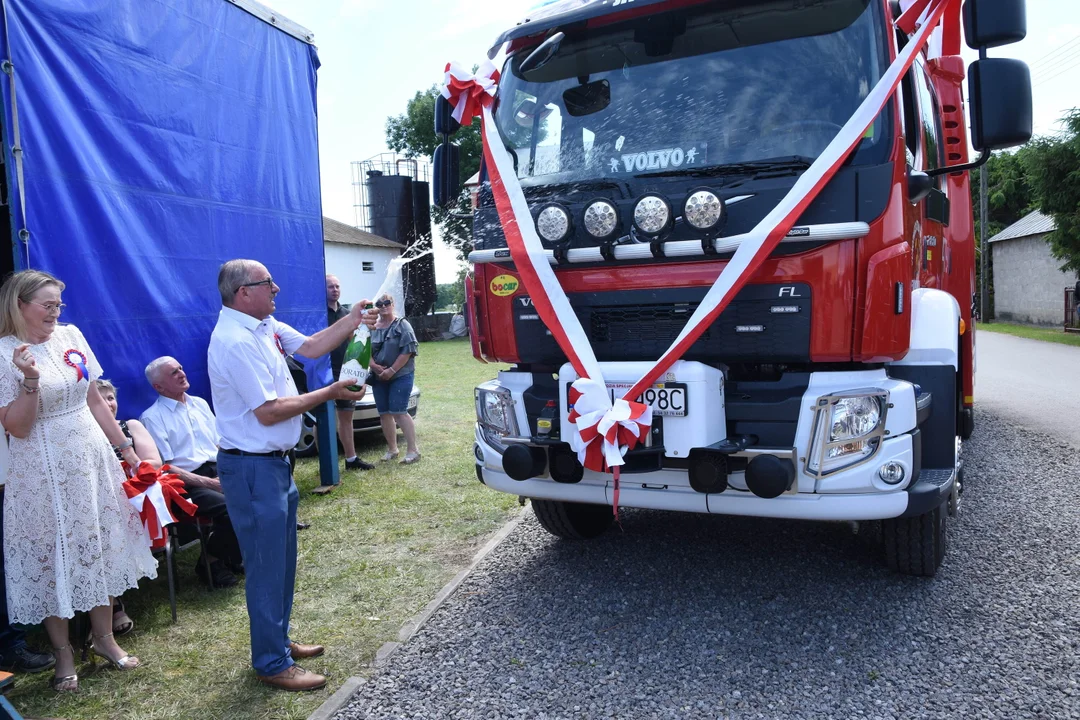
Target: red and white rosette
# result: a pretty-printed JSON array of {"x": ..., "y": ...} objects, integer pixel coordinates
[{"x": 601, "y": 433}]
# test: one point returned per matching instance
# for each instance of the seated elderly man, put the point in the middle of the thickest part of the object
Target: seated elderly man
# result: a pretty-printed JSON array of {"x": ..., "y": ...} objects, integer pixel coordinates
[{"x": 185, "y": 431}]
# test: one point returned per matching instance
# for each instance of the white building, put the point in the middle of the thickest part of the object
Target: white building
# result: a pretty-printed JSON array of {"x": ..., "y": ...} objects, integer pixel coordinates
[
  {"x": 358, "y": 258},
  {"x": 1029, "y": 286}
]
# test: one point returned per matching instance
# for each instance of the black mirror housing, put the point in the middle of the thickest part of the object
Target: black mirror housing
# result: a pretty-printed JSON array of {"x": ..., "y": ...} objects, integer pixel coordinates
[
  {"x": 446, "y": 182},
  {"x": 445, "y": 124},
  {"x": 1000, "y": 92},
  {"x": 919, "y": 186},
  {"x": 587, "y": 99},
  {"x": 991, "y": 23}
]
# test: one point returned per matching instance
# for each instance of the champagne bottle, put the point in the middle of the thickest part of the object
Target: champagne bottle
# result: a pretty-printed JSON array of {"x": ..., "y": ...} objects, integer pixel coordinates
[{"x": 357, "y": 357}]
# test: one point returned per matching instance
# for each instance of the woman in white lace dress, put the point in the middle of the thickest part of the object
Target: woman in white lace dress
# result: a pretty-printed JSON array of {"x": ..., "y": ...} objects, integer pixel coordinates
[{"x": 71, "y": 538}]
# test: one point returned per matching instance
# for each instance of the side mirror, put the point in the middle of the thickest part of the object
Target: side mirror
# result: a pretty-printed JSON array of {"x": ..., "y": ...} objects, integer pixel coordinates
[
  {"x": 445, "y": 124},
  {"x": 446, "y": 182},
  {"x": 990, "y": 23},
  {"x": 1000, "y": 96},
  {"x": 919, "y": 185},
  {"x": 542, "y": 54}
]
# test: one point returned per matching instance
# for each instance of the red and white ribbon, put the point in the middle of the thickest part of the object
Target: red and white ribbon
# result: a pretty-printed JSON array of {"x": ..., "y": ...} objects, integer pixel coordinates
[
  {"x": 155, "y": 493},
  {"x": 468, "y": 92},
  {"x": 602, "y": 433}
]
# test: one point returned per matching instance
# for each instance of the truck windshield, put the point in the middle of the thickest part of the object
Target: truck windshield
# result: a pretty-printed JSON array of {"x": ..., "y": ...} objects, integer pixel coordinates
[{"x": 730, "y": 82}]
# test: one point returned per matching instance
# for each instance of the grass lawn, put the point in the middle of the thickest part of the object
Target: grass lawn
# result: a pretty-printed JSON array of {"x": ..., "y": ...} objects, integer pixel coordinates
[
  {"x": 378, "y": 549},
  {"x": 1054, "y": 334}
]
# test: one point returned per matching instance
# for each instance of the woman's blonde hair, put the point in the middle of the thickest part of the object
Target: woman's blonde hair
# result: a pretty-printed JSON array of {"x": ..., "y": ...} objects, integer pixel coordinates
[
  {"x": 104, "y": 385},
  {"x": 21, "y": 286}
]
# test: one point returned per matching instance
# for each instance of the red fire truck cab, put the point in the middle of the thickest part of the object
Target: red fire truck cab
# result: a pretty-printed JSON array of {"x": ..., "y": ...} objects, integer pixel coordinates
[{"x": 839, "y": 384}]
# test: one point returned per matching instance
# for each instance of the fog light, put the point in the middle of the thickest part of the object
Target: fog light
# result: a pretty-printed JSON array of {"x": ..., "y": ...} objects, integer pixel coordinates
[
  {"x": 601, "y": 219},
  {"x": 478, "y": 453},
  {"x": 652, "y": 215},
  {"x": 703, "y": 210},
  {"x": 553, "y": 224},
  {"x": 891, "y": 473}
]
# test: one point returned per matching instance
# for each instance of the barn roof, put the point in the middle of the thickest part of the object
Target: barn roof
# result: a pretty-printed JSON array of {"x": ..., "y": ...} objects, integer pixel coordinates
[
  {"x": 339, "y": 232},
  {"x": 1034, "y": 223}
]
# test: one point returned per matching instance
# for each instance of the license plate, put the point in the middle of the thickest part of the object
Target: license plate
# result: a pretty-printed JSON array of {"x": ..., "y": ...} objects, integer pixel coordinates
[{"x": 666, "y": 399}]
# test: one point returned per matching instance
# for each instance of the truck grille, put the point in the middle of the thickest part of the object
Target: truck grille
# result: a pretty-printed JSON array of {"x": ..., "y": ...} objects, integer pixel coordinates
[
  {"x": 637, "y": 324},
  {"x": 642, "y": 324}
]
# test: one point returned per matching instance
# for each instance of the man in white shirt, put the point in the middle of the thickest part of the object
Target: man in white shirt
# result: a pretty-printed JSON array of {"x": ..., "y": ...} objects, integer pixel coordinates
[
  {"x": 185, "y": 431},
  {"x": 258, "y": 421}
]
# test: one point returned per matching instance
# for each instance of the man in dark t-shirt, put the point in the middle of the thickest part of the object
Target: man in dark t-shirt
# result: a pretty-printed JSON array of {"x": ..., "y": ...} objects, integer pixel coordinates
[{"x": 334, "y": 312}]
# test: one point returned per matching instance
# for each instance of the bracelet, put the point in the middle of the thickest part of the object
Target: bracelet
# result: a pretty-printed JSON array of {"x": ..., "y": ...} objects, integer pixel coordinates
[
  {"x": 29, "y": 390},
  {"x": 124, "y": 446}
]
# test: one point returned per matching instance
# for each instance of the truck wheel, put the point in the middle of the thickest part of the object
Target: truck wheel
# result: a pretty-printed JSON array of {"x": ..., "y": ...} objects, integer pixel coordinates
[
  {"x": 916, "y": 545},
  {"x": 572, "y": 521}
]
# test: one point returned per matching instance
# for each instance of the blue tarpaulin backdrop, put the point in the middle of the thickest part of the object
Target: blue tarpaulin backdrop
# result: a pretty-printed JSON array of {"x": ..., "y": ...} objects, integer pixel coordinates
[{"x": 161, "y": 138}]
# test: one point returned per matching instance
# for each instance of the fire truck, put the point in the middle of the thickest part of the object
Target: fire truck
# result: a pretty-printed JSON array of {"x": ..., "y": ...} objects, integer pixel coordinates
[{"x": 647, "y": 136}]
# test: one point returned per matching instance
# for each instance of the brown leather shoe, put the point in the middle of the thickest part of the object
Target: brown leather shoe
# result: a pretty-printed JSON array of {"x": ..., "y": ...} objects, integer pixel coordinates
[
  {"x": 301, "y": 652},
  {"x": 294, "y": 679}
]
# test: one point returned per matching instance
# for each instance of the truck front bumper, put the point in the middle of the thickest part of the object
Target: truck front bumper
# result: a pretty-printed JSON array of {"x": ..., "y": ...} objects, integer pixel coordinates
[
  {"x": 667, "y": 490},
  {"x": 863, "y": 489}
]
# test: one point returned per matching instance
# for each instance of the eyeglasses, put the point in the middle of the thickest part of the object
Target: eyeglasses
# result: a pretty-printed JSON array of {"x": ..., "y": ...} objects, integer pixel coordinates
[
  {"x": 384, "y": 303},
  {"x": 268, "y": 282},
  {"x": 50, "y": 307}
]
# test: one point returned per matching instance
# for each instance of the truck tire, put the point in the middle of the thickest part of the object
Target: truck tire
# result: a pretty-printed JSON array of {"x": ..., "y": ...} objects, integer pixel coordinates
[
  {"x": 916, "y": 545},
  {"x": 572, "y": 521}
]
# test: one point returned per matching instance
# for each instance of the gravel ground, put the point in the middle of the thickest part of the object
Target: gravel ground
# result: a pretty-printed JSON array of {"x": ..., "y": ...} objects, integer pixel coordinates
[{"x": 694, "y": 616}]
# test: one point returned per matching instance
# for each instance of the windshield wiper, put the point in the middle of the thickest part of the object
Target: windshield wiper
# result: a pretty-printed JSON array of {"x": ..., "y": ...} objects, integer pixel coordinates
[{"x": 773, "y": 167}]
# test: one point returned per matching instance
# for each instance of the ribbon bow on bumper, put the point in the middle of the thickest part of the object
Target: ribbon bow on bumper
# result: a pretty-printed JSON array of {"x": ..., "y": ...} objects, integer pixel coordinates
[
  {"x": 154, "y": 493},
  {"x": 605, "y": 432}
]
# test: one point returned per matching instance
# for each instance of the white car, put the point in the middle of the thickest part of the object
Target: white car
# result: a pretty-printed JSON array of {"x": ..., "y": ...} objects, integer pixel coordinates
[{"x": 365, "y": 417}]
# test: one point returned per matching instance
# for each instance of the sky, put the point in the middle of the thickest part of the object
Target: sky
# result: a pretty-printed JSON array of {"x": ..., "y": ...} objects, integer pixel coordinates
[{"x": 376, "y": 54}]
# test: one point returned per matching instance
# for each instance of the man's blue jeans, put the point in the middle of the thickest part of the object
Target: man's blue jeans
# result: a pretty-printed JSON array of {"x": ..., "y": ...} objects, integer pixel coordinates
[{"x": 262, "y": 499}]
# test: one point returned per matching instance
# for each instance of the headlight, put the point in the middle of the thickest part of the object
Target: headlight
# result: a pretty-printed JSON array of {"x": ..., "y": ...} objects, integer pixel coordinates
[
  {"x": 553, "y": 224},
  {"x": 703, "y": 210},
  {"x": 854, "y": 417},
  {"x": 601, "y": 219},
  {"x": 847, "y": 429},
  {"x": 652, "y": 215},
  {"x": 495, "y": 414}
]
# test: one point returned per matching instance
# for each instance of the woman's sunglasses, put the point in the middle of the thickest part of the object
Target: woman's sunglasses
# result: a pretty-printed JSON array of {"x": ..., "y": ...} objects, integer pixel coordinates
[{"x": 384, "y": 303}]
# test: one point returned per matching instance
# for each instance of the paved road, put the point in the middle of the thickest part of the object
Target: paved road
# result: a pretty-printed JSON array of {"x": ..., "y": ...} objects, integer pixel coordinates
[
  {"x": 1035, "y": 384},
  {"x": 685, "y": 616}
]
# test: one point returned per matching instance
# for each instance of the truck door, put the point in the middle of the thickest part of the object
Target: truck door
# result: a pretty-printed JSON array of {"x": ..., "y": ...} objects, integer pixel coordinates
[{"x": 931, "y": 252}]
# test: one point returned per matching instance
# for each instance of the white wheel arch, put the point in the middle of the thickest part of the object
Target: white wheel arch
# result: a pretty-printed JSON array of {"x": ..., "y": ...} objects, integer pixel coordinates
[{"x": 935, "y": 329}]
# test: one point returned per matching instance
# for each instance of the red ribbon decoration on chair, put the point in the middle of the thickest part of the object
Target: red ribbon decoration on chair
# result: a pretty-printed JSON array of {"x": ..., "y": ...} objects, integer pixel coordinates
[{"x": 156, "y": 494}]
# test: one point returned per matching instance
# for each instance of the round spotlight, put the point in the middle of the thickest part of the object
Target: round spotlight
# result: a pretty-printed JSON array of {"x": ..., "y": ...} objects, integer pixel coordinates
[
  {"x": 601, "y": 219},
  {"x": 652, "y": 215},
  {"x": 891, "y": 473},
  {"x": 553, "y": 224},
  {"x": 703, "y": 210}
]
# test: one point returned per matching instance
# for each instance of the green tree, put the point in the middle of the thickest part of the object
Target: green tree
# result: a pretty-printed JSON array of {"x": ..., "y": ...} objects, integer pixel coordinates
[
  {"x": 1053, "y": 169},
  {"x": 413, "y": 134},
  {"x": 1008, "y": 191},
  {"x": 450, "y": 296},
  {"x": 1008, "y": 199}
]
